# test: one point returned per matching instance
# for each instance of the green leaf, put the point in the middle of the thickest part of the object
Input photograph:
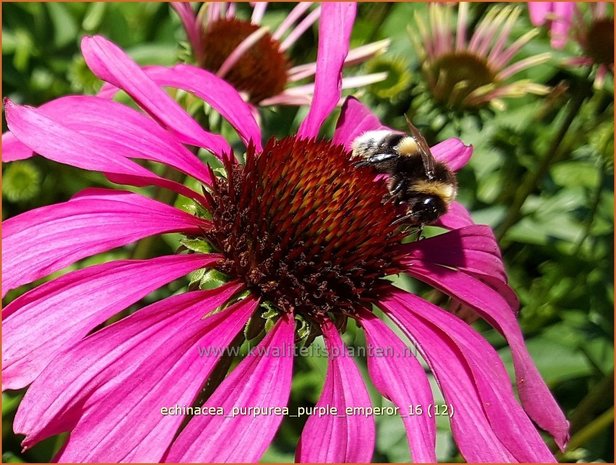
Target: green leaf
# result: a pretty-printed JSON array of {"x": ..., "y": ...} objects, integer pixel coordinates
[
  {"x": 556, "y": 361},
  {"x": 65, "y": 27}
]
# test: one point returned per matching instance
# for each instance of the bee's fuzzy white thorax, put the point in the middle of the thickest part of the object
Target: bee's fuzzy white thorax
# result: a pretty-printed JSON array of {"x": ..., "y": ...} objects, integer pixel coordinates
[{"x": 370, "y": 138}]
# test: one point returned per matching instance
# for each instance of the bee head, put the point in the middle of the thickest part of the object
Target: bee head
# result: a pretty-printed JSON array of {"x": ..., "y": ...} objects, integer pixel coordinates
[{"x": 425, "y": 209}]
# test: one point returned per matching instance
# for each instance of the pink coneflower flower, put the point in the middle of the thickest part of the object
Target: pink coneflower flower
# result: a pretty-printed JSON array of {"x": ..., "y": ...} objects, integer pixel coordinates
[
  {"x": 254, "y": 59},
  {"x": 470, "y": 73},
  {"x": 590, "y": 26},
  {"x": 301, "y": 234}
]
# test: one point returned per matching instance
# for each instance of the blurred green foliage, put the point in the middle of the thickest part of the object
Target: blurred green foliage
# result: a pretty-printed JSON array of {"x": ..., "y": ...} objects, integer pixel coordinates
[{"x": 558, "y": 248}]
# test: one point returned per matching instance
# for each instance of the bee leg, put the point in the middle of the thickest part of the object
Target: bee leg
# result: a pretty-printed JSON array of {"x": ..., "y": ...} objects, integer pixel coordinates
[
  {"x": 417, "y": 230},
  {"x": 399, "y": 186},
  {"x": 404, "y": 219},
  {"x": 420, "y": 229}
]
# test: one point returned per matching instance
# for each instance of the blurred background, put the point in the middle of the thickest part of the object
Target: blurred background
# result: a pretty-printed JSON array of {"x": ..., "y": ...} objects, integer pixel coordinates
[{"x": 541, "y": 176}]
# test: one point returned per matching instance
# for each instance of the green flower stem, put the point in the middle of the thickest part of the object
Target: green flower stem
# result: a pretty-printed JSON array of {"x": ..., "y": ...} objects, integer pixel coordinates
[
  {"x": 594, "y": 400},
  {"x": 377, "y": 14},
  {"x": 596, "y": 200},
  {"x": 593, "y": 429},
  {"x": 532, "y": 178}
]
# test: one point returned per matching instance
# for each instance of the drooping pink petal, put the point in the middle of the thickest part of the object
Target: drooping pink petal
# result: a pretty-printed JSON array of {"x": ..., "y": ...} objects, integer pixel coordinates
[
  {"x": 452, "y": 152},
  {"x": 263, "y": 381},
  {"x": 47, "y": 239},
  {"x": 355, "y": 56},
  {"x": 214, "y": 11},
  {"x": 215, "y": 92},
  {"x": 12, "y": 149},
  {"x": 495, "y": 309},
  {"x": 506, "y": 417},
  {"x": 539, "y": 12},
  {"x": 56, "y": 141},
  {"x": 116, "y": 381},
  {"x": 191, "y": 26},
  {"x": 298, "y": 30},
  {"x": 258, "y": 11},
  {"x": 355, "y": 119},
  {"x": 456, "y": 217},
  {"x": 472, "y": 248},
  {"x": 124, "y": 131},
  {"x": 398, "y": 375},
  {"x": 293, "y": 16},
  {"x": 111, "y": 64},
  {"x": 334, "y": 34},
  {"x": 363, "y": 53},
  {"x": 339, "y": 437},
  {"x": 471, "y": 429},
  {"x": 347, "y": 83},
  {"x": 461, "y": 26},
  {"x": 561, "y": 24},
  {"x": 231, "y": 9},
  {"x": 285, "y": 99},
  {"x": 37, "y": 325}
]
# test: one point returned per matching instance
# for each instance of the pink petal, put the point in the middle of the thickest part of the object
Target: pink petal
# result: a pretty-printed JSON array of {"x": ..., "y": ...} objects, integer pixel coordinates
[
  {"x": 453, "y": 152},
  {"x": 111, "y": 64},
  {"x": 47, "y": 239},
  {"x": 355, "y": 119},
  {"x": 215, "y": 92},
  {"x": 471, "y": 429},
  {"x": 338, "y": 437},
  {"x": 293, "y": 16},
  {"x": 115, "y": 382},
  {"x": 57, "y": 142},
  {"x": 471, "y": 248},
  {"x": 126, "y": 132},
  {"x": 495, "y": 309},
  {"x": 506, "y": 417},
  {"x": 539, "y": 11},
  {"x": 262, "y": 380},
  {"x": 334, "y": 35},
  {"x": 12, "y": 149},
  {"x": 191, "y": 26},
  {"x": 50, "y": 317},
  {"x": 257, "y": 12},
  {"x": 401, "y": 378},
  {"x": 299, "y": 30},
  {"x": 456, "y": 217},
  {"x": 563, "y": 13}
]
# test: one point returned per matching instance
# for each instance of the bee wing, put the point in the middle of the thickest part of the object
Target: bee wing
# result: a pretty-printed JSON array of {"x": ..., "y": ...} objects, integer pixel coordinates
[{"x": 424, "y": 149}]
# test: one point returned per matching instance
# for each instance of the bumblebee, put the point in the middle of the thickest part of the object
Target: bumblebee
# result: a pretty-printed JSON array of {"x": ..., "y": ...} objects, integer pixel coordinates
[{"x": 419, "y": 183}]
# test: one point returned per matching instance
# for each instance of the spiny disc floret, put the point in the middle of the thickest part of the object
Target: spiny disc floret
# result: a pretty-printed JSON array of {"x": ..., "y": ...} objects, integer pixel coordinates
[{"x": 304, "y": 228}]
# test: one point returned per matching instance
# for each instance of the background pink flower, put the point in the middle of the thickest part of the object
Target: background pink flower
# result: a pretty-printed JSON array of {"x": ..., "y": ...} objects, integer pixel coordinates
[
  {"x": 591, "y": 26},
  {"x": 471, "y": 69},
  {"x": 237, "y": 51}
]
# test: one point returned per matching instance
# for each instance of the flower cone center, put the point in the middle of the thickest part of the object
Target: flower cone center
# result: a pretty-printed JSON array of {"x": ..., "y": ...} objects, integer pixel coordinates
[
  {"x": 305, "y": 229},
  {"x": 599, "y": 44},
  {"x": 454, "y": 76},
  {"x": 261, "y": 71}
]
